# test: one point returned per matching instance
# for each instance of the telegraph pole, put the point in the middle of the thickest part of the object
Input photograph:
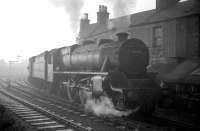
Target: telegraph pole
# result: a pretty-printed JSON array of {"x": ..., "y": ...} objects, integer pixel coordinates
[
  {"x": 10, "y": 72},
  {"x": 13, "y": 62}
]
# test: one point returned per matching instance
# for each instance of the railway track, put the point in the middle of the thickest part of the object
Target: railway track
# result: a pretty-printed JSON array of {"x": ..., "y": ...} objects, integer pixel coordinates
[
  {"x": 169, "y": 124},
  {"x": 38, "y": 117},
  {"x": 97, "y": 123}
]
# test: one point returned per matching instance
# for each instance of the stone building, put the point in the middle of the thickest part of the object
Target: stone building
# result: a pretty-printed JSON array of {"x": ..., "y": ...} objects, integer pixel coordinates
[{"x": 171, "y": 31}]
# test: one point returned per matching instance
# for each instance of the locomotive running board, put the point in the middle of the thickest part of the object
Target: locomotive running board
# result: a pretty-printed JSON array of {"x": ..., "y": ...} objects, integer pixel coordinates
[{"x": 81, "y": 73}]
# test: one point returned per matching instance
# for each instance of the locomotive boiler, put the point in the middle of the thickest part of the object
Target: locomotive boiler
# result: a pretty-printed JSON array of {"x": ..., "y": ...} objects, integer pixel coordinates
[
  {"x": 96, "y": 57},
  {"x": 115, "y": 69}
]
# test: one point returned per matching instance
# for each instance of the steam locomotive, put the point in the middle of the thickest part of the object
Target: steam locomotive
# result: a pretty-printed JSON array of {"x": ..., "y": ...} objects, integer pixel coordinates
[{"x": 115, "y": 69}]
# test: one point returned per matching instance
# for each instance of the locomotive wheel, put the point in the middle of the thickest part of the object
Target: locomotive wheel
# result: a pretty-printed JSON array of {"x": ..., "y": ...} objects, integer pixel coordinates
[
  {"x": 73, "y": 94},
  {"x": 116, "y": 96}
]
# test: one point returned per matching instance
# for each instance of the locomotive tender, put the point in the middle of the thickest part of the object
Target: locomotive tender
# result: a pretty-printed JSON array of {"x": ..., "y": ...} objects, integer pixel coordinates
[{"x": 115, "y": 69}]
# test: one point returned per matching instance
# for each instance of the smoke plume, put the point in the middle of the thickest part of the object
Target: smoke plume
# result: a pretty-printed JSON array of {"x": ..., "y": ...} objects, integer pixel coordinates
[
  {"x": 73, "y": 8},
  {"x": 105, "y": 107},
  {"x": 121, "y": 7}
]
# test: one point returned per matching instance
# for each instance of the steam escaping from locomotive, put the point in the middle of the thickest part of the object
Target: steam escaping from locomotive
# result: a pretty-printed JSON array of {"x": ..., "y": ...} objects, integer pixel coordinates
[
  {"x": 121, "y": 7},
  {"x": 104, "y": 107}
]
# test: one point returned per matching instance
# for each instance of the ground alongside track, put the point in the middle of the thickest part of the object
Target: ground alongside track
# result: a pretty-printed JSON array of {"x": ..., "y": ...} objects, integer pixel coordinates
[
  {"x": 77, "y": 115},
  {"x": 10, "y": 122},
  {"x": 67, "y": 110}
]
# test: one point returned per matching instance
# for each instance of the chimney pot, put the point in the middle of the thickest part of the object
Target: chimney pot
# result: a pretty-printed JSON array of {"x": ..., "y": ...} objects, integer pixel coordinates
[
  {"x": 84, "y": 22},
  {"x": 102, "y": 15},
  {"x": 86, "y": 16},
  {"x": 99, "y": 8}
]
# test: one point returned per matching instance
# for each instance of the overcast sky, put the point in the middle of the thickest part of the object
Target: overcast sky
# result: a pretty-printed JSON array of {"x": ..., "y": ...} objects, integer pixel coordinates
[{"x": 29, "y": 27}]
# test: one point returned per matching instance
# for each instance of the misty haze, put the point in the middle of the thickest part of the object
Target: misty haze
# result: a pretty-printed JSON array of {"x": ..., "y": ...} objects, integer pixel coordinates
[
  {"x": 100, "y": 65},
  {"x": 16, "y": 70}
]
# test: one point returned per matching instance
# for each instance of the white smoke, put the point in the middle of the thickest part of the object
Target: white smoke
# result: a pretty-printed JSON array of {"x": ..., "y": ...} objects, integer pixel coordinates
[
  {"x": 121, "y": 7},
  {"x": 73, "y": 9},
  {"x": 104, "y": 107}
]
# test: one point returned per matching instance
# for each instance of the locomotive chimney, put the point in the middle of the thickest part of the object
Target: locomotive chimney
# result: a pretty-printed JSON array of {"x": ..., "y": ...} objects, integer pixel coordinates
[
  {"x": 102, "y": 15},
  {"x": 122, "y": 36}
]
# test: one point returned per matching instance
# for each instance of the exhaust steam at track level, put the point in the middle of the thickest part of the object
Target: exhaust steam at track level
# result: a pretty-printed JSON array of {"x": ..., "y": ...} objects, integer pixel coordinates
[{"x": 104, "y": 107}]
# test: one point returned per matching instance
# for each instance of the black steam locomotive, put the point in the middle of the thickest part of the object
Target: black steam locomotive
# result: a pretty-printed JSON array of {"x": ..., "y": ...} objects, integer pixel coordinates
[{"x": 116, "y": 69}]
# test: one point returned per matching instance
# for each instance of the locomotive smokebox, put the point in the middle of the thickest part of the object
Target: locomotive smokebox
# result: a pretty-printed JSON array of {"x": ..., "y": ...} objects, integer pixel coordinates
[{"x": 122, "y": 36}]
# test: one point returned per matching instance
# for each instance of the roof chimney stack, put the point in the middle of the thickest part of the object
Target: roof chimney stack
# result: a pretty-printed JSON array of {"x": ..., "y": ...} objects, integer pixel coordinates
[
  {"x": 102, "y": 15},
  {"x": 84, "y": 22}
]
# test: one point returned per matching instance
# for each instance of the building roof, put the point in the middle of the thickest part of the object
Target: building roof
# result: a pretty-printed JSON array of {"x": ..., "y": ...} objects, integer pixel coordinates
[
  {"x": 94, "y": 29},
  {"x": 177, "y": 73},
  {"x": 194, "y": 77},
  {"x": 142, "y": 17},
  {"x": 181, "y": 71}
]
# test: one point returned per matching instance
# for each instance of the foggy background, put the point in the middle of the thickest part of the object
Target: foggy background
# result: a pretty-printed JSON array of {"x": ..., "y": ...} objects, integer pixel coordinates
[
  {"x": 30, "y": 27},
  {"x": 14, "y": 70}
]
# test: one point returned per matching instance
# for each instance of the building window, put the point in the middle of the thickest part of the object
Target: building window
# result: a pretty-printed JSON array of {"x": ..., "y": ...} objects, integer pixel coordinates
[{"x": 157, "y": 36}]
